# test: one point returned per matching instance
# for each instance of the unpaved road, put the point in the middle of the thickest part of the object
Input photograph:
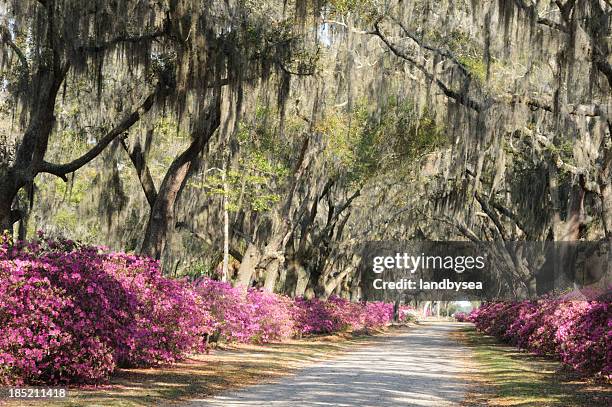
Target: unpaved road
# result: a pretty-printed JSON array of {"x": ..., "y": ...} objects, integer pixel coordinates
[{"x": 419, "y": 367}]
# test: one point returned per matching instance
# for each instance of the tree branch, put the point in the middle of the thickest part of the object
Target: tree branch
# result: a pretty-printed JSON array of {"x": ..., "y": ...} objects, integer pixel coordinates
[
  {"x": 441, "y": 52},
  {"x": 592, "y": 110},
  {"x": 493, "y": 216},
  {"x": 130, "y": 39},
  {"x": 6, "y": 38},
  {"x": 460, "y": 97},
  {"x": 509, "y": 214},
  {"x": 531, "y": 10},
  {"x": 462, "y": 228},
  {"x": 346, "y": 204},
  {"x": 556, "y": 157},
  {"x": 340, "y": 23},
  {"x": 233, "y": 251},
  {"x": 61, "y": 170},
  {"x": 501, "y": 209},
  {"x": 332, "y": 282},
  {"x": 142, "y": 169},
  {"x": 565, "y": 9}
]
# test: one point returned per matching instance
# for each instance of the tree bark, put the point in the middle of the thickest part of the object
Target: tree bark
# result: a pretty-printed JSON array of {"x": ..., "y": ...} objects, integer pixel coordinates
[
  {"x": 137, "y": 156},
  {"x": 31, "y": 151},
  {"x": 226, "y": 234},
  {"x": 271, "y": 274},
  {"x": 301, "y": 278},
  {"x": 247, "y": 266},
  {"x": 163, "y": 209},
  {"x": 6, "y": 202},
  {"x": 605, "y": 187}
]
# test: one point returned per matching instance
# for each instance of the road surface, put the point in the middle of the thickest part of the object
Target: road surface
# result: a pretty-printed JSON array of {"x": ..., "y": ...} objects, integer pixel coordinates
[{"x": 421, "y": 366}]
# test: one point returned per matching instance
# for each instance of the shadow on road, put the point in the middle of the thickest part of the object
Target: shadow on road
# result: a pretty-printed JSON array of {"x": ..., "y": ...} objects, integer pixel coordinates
[{"x": 420, "y": 367}]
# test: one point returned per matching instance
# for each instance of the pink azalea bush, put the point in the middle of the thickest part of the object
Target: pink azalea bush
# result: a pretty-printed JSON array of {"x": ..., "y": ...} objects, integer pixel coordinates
[
  {"x": 272, "y": 314},
  {"x": 337, "y": 314},
  {"x": 586, "y": 338},
  {"x": 377, "y": 314},
  {"x": 579, "y": 333},
  {"x": 44, "y": 337},
  {"x": 546, "y": 319},
  {"x": 460, "y": 316},
  {"x": 229, "y": 310},
  {"x": 70, "y": 313},
  {"x": 257, "y": 317},
  {"x": 315, "y": 316}
]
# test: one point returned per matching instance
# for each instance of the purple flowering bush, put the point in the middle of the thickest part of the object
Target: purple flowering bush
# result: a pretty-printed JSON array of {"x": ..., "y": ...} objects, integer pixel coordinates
[
  {"x": 586, "y": 338},
  {"x": 166, "y": 318},
  {"x": 377, "y": 314},
  {"x": 254, "y": 317},
  {"x": 272, "y": 314},
  {"x": 44, "y": 337},
  {"x": 579, "y": 333},
  {"x": 70, "y": 313},
  {"x": 313, "y": 316},
  {"x": 229, "y": 310},
  {"x": 460, "y": 316},
  {"x": 316, "y": 316}
]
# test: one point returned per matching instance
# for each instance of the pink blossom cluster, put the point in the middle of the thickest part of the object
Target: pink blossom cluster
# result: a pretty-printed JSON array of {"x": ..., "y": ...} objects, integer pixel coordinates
[
  {"x": 272, "y": 314},
  {"x": 260, "y": 316},
  {"x": 254, "y": 317},
  {"x": 69, "y": 313},
  {"x": 338, "y": 314},
  {"x": 460, "y": 316},
  {"x": 579, "y": 333},
  {"x": 377, "y": 314}
]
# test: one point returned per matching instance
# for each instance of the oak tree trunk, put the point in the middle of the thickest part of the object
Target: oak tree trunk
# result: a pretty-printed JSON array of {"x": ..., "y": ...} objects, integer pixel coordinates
[
  {"x": 250, "y": 259},
  {"x": 161, "y": 218}
]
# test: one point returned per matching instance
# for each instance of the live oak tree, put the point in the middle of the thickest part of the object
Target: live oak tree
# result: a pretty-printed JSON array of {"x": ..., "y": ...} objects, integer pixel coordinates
[
  {"x": 49, "y": 47},
  {"x": 337, "y": 122},
  {"x": 176, "y": 55},
  {"x": 527, "y": 96}
]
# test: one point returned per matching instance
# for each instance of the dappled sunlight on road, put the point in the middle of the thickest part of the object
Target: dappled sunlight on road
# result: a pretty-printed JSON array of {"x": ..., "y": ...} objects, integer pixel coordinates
[{"x": 419, "y": 367}]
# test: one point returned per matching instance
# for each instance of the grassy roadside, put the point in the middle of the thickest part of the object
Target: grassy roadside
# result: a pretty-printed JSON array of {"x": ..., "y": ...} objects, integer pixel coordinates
[
  {"x": 508, "y": 377},
  {"x": 204, "y": 375}
]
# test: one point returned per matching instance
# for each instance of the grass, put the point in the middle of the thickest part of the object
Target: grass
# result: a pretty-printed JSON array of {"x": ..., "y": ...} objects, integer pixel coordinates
[
  {"x": 200, "y": 376},
  {"x": 509, "y": 377}
]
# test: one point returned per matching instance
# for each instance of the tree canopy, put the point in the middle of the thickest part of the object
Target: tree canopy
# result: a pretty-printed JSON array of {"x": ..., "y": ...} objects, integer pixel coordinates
[{"x": 307, "y": 128}]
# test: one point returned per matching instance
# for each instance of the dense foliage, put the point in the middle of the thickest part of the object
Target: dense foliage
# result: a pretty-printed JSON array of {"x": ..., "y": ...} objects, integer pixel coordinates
[
  {"x": 72, "y": 313},
  {"x": 261, "y": 317},
  {"x": 579, "y": 333},
  {"x": 257, "y": 317},
  {"x": 331, "y": 112},
  {"x": 460, "y": 316},
  {"x": 337, "y": 314}
]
